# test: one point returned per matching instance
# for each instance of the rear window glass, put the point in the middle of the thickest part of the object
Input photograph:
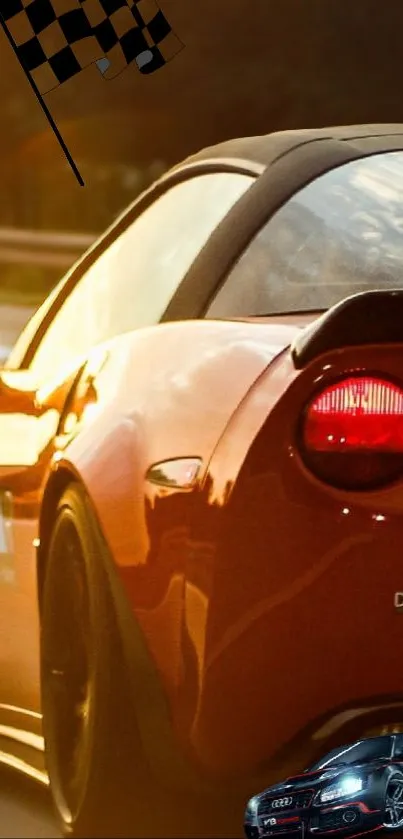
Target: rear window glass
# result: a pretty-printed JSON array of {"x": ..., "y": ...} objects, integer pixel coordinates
[{"x": 340, "y": 235}]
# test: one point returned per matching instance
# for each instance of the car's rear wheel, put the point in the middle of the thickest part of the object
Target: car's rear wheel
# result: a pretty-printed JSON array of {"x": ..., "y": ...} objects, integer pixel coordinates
[
  {"x": 87, "y": 714},
  {"x": 394, "y": 802}
]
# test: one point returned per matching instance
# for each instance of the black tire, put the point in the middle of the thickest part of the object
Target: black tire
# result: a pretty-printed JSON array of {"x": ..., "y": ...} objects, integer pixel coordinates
[
  {"x": 98, "y": 777},
  {"x": 394, "y": 792}
]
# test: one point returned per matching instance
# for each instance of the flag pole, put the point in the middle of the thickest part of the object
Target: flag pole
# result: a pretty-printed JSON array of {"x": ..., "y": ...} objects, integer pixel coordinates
[{"x": 44, "y": 107}]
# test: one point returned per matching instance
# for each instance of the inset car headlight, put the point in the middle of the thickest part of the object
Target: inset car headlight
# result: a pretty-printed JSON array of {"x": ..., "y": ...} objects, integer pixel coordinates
[
  {"x": 251, "y": 808},
  {"x": 345, "y": 786}
]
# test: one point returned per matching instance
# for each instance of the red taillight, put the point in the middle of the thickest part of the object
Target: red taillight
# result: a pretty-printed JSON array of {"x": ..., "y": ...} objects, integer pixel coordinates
[{"x": 353, "y": 432}]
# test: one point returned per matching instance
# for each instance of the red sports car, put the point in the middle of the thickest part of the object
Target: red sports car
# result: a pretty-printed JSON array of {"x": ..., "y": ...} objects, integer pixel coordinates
[{"x": 201, "y": 489}]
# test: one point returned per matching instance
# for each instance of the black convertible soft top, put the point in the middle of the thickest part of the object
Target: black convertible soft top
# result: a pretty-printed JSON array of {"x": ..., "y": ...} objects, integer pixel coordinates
[
  {"x": 265, "y": 149},
  {"x": 280, "y": 163},
  {"x": 288, "y": 160}
]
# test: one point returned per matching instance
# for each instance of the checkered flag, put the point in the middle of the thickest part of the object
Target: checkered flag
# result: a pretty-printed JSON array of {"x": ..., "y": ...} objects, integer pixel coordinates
[{"x": 56, "y": 39}]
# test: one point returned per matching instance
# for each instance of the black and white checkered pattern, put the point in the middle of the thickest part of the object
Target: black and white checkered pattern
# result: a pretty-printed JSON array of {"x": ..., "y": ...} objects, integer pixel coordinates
[{"x": 56, "y": 39}]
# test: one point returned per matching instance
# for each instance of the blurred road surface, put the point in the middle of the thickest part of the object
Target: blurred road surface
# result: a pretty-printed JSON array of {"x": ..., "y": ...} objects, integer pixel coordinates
[
  {"x": 25, "y": 809},
  {"x": 12, "y": 321}
]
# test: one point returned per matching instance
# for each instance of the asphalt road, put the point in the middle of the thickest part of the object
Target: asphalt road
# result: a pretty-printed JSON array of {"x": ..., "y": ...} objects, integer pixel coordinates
[
  {"x": 12, "y": 321},
  {"x": 25, "y": 809}
]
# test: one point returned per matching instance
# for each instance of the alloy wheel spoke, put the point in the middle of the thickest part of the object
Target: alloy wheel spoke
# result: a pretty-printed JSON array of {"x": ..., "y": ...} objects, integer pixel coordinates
[{"x": 394, "y": 804}]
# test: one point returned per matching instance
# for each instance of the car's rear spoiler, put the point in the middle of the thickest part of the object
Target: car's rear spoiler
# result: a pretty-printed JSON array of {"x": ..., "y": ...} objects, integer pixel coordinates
[{"x": 371, "y": 317}]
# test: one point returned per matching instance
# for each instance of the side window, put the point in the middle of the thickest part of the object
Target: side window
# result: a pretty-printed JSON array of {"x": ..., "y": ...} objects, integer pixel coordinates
[
  {"x": 133, "y": 281},
  {"x": 398, "y": 754}
]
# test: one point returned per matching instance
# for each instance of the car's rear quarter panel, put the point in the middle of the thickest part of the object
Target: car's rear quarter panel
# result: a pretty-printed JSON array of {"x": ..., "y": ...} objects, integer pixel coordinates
[
  {"x": 301, "y": 619},
  {"x": 265, "y": 597}
]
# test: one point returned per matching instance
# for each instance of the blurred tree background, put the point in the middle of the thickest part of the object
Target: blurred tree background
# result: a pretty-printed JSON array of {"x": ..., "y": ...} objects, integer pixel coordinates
[{"x": 248, "y": 67}]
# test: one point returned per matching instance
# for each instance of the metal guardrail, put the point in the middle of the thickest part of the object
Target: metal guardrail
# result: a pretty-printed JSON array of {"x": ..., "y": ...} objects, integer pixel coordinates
[{"x": 47, "y": 248}]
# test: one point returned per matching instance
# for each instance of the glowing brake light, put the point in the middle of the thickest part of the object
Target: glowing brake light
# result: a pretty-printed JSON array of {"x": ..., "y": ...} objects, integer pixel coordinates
[{"x": 352, "y": 432}]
